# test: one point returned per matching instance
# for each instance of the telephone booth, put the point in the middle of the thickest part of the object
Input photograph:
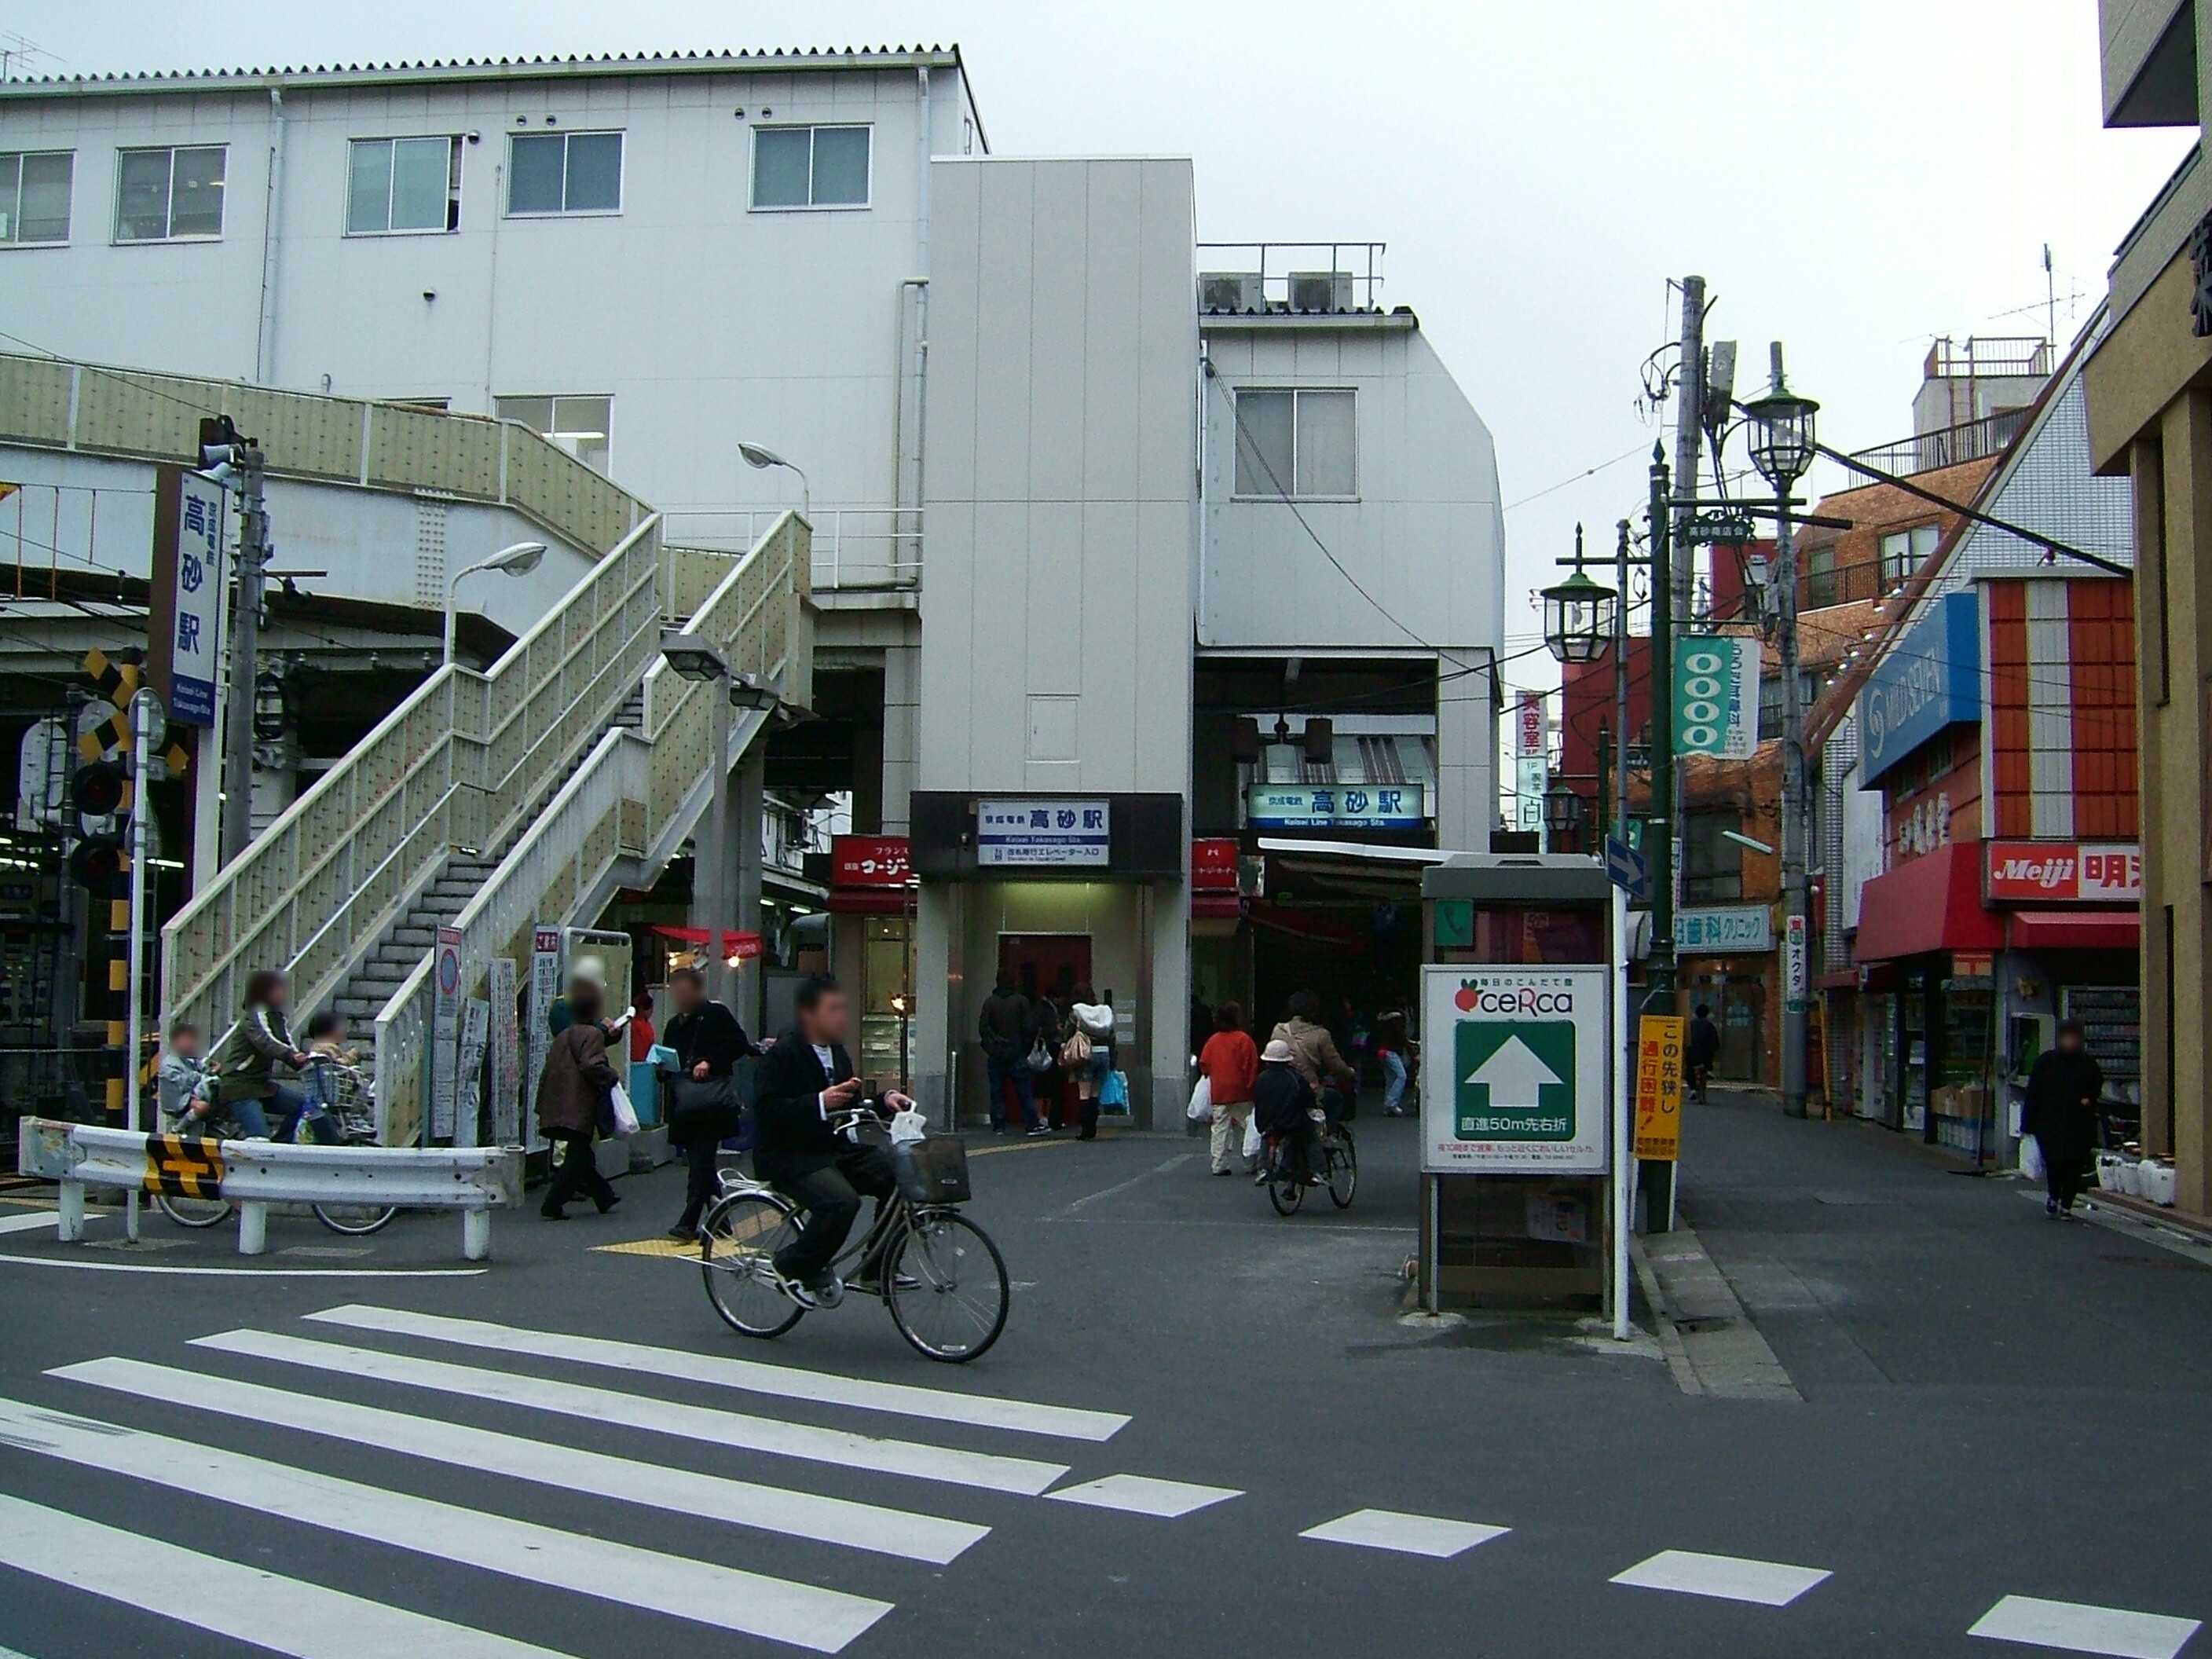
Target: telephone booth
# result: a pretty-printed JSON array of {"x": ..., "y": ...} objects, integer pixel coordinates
[{"x": 1524, "y": 1096}]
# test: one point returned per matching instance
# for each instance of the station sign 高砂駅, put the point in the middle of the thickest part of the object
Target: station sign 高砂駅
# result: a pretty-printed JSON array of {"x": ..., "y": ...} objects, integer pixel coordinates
[
  {"x": 1336, "y": 806},
  {"x": 1723, "y": 930},
  {"x": 1516, "y": 1060},
  {"x": 1049, "y": 834}
]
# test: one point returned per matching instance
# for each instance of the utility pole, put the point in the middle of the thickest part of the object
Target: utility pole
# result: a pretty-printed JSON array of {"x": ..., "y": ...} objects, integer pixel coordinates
[
  {"x": 142, "y": 703},
  {"x": 1659, "y": 991},
  {"x": 1689, "y": 411},
  {"x": 244, "y": 456},
  {"x": 1796, "y": 833},
  {"x": 712, "y": 861},
  {"x": 1620, "y": 689}
]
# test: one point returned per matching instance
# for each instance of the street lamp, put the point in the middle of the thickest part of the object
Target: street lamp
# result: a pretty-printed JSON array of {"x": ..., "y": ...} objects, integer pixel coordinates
[
  {"x": 518, "y": 560},
  {"x": 1579, "y": 616},
  {"x": 759, "y": 455},
  {"x": 1563, "y": 818},
  {"x": 1782, "y": 448},
  {"x": 694, "y": 657}
]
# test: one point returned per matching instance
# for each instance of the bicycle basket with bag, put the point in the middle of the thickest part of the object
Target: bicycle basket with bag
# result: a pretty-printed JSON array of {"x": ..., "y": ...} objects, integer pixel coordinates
[{"x": 933, "y": 1171}]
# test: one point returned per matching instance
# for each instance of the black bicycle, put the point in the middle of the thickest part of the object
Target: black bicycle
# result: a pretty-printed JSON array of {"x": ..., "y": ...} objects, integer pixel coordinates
[
  {"x": 940, "y": 1273},
  {"x": 1339, "y": 1169}
]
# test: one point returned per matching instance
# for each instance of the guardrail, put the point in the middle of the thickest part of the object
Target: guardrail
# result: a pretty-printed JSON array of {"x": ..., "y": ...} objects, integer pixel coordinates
[
  {"x": 855, "y": 549},
  {"x": 458, "y": 764},
  {"x": 627, "y": 808},
  {"x": 255, "y": 1174}
]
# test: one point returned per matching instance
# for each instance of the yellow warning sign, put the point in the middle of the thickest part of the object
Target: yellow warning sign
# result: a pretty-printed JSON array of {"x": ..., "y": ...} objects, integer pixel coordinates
[{"x": 1659, "y": 1043}]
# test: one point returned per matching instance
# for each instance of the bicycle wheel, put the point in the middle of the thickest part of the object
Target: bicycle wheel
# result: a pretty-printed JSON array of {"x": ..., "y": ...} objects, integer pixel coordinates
[
  {"x": 947, "y": 1284},
  {"x": 356, "y": 1220},
  {"x": 738, "y": 1238},
  {"x": 1283, "y": 1192},
  {"x": 194, "y": 1212},
  {"x": 1343, "y": 1168}
]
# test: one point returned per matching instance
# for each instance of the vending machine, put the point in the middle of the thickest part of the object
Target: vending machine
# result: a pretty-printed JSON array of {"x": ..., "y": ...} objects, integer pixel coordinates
[{"x": 1523, "y": 1093}]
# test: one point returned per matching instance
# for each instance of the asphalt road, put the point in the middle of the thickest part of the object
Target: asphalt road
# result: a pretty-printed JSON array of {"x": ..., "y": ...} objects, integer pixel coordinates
[{"x": 1995, "y": 1406}]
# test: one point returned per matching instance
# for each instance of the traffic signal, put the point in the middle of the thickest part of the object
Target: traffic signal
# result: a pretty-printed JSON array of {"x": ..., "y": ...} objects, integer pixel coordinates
[
  {"x": 96, "y": 862},
  {"x": 101, "y": 789}
]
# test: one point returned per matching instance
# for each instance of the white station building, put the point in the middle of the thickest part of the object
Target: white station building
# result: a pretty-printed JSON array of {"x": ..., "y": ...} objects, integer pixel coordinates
[{"x": 1159, "y": 541}]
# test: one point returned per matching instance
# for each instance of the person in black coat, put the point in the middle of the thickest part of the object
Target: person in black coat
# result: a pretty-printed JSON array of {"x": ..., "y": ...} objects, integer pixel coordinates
[
  {"x": 702, "y": 1107},
  {"x": 803, "y": 1082},
  {"x": 1703, "y": 1048},
  {"x": 2063, "y": 1088},
  {"x": 1283, "y": 1104}
]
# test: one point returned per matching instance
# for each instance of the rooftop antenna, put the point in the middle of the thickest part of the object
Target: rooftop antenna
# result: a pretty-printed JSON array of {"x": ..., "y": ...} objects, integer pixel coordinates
[
  {"x": 17, "y": 51},
  {"x": 2050, "y": 299}
]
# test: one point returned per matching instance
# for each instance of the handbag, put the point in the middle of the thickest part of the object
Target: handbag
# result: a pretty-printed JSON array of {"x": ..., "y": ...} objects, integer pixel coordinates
[
  {"x": 701, "y": 1109},
  {"x": 625, "y": 1114},
  {"x": 1040, "y": 1059},
  {"x": 1076, "y": 1051}
]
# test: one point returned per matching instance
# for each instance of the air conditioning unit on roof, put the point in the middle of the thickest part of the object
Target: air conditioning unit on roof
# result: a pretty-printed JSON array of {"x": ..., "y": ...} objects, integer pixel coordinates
[
  {"x": 1321, "y": 290},
  {"x": 1229, "y": 291}
]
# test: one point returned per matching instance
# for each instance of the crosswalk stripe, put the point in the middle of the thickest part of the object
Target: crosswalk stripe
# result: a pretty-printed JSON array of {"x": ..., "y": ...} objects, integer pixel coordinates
[
  {"x": 1727, "y": 1577},
  {"x": 1143, "y": 1494},
  {"x": 683, "y": 1492},
  {"x": 30, "y": 1223},
  {"x": 1410, "y": 1535},
  {"x": 940, "y": 1405},
  {"x": 990, "y": 1471},
  {"x": 2076, "y": 1627},
  {"x": 701, "y": 1591},
  {"x": 248, "y": 1604}
]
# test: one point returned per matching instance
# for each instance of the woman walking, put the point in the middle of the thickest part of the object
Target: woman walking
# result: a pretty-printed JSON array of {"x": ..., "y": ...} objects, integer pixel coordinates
[
  {"x": 576, "y": 1100},
  {"x": 703, "y": 1096},
  {"x": 247, "y": 1060},
  {"x": 2064, "y": 1089},
  {"x": 1088, "y": 1054},
  {"x": 1230, "y": 1060}
]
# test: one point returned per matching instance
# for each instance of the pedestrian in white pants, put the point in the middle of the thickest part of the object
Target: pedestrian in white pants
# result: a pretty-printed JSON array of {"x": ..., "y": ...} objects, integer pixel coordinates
[{"x": 1230, "y": 1060}]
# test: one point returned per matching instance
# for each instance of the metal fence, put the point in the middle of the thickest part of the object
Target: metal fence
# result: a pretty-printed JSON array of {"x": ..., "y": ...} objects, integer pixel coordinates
[{"x": 856, "y": 549}]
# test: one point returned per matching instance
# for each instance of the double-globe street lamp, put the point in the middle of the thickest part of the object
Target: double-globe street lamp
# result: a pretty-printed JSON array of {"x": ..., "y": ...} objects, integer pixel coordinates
[{"x": 1783, "y": 445}]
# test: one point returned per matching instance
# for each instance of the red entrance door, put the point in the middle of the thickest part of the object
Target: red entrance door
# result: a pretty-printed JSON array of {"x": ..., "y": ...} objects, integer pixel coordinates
[{"x": 1051, "y": 965}]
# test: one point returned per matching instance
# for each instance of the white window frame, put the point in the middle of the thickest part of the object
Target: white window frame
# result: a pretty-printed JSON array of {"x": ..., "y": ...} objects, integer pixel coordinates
[
  {"x": 1236, "y": 437},
  {"x": 554, "y": 400},
  {"x": 622, "y": 176},
  {"x": 116, "y": 237},
  {"x": 455, "y": 173},
  {"x": 752, "y": 169},
  {"x": 14, "y": 239}
]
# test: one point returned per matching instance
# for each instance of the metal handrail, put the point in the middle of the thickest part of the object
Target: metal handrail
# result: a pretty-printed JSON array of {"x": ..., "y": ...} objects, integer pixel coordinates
[
  {"x": 856, "y": 549},
  {"x": 435, "y": 773},
  {"x": 625, "y": 810}
]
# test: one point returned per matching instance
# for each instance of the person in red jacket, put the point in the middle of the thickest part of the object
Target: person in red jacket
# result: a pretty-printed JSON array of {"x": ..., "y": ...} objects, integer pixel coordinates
[{"x": 1230, "y": 1060}]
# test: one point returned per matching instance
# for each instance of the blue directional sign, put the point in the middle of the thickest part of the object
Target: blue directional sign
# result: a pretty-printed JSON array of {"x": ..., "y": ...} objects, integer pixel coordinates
[{"x": 1627, "y": 867}]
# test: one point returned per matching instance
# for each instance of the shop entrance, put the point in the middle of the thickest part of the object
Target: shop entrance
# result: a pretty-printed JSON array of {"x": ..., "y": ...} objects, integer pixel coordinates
[{"x": 1046, "y": 965}]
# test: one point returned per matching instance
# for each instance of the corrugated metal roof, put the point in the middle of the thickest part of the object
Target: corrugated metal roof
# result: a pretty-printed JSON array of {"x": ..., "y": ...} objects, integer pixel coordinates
[{"x": 770, "y": 60}]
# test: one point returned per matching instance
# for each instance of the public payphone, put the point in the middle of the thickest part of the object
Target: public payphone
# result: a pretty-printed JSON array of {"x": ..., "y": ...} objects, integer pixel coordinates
[{"x": 1524, "y": 1099}]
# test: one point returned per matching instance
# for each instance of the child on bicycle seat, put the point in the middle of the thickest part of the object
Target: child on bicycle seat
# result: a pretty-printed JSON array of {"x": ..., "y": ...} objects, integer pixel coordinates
[
  {"x": 179, "y": 1079},
  {"x": 803, "y": 1084}
]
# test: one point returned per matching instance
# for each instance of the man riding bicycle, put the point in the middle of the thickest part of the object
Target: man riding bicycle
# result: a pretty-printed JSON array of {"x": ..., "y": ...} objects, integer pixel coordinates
[{"x": 802, "y": 1085}]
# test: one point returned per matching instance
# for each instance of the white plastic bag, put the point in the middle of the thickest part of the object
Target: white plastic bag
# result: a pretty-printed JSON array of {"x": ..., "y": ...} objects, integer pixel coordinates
[
  {"x": 625, "y": 1114},
  {"x": 1200, "y": 1109},
  {"x": 908, "y": 1127},
  {"x": 2031, "y": 1159},
  {"x": 1253, "y": 1142}
]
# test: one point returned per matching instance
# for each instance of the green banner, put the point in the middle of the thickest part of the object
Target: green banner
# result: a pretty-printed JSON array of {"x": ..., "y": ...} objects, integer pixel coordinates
[{"x": 1717, "y": 695}]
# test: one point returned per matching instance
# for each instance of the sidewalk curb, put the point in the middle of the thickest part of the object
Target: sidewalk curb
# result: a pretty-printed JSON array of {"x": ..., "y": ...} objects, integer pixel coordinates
[
  {"x": 1722, "y": 1348},
  {"x": 1670, "y": 1339}
]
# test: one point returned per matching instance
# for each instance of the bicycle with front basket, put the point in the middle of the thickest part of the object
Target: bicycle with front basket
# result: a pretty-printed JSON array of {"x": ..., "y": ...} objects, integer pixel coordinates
[
  {"x": 346, "y": 1106},
  {"x": 940, "y": 1275}
]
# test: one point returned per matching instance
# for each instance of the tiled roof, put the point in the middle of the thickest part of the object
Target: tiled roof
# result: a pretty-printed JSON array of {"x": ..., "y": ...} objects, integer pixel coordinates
[{"x": 506, "y": 68}]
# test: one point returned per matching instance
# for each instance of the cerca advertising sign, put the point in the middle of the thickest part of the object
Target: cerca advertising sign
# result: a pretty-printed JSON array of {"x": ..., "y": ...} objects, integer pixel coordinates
[{"x": 1517, "y": 1070}]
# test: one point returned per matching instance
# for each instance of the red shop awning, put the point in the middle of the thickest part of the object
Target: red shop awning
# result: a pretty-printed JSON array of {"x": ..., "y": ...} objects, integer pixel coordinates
[
  {"x": 734, "y": 944},
  {"x": 2074, "y": 929},
  {"x": 1932, "y": 903},
  {"x": 1216, "y": 905}
]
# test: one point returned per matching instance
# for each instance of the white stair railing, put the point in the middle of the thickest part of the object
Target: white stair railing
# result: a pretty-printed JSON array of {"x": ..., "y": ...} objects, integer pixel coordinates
[
  {"x": 623, "y": 816},
  {"x": 458, "y": 764}
]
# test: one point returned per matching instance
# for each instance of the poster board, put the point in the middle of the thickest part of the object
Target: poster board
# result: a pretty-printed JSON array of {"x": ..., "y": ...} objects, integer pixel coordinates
[{"x": 1516, "y": 1063}]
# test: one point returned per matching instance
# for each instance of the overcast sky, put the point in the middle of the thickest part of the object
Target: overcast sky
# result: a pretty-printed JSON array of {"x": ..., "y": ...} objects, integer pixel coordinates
[{"x": 1853, "y": 181}]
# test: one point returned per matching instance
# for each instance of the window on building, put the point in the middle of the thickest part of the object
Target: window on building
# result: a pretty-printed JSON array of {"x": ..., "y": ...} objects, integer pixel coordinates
[
  {"x": 810, "y": 166},
  {"x": 1903, "y": 551},
  {"x": 564, "y": 173},
  {"x": 169, "y": 194},
  {"x": 35, "y": 195},
  {"x": 1820, "y": 577},
  {"x": 1301, "y": 444},
  {"x": 1712, "y": 865},
  {"x": 582, "y": 425},
  {"x": 402, "y": 185}
]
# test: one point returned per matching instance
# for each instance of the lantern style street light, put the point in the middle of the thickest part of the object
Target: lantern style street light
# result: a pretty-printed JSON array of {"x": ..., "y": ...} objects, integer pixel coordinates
[
  {"x": 1563, "y": 818},
  {"x": 1578, "y": 614},
  {"x": 1781, "y": 435}
]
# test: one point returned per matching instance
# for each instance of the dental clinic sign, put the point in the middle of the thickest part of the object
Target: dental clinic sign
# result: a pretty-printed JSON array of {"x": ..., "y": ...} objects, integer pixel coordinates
[
  {"x": 1516, "y": 1070},
  {"x": 1928, "y": 680}
]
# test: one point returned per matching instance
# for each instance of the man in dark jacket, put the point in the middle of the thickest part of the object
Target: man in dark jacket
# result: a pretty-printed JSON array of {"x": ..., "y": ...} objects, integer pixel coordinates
[
  {"x": 701, "y": 1105},
  {"x": 2063, "y": 1088},
  {"x": 804, "y": 1081},
  {"x": 1703, "y": 1048},
  {"x": 1005, "y": 1028}
]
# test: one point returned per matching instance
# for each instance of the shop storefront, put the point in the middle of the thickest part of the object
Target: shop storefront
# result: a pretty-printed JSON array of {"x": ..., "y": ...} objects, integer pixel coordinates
[
  {"x": 871, "y": 906},
  {"x": 1728, "y": 964}
]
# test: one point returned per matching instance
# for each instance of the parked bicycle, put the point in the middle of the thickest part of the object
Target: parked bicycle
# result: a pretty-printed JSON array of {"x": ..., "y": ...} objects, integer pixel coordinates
[
  {"x": 1338, "y": 1168},
  {"x": 341, "y": 1097},
  {"x": 941, "y": 1274}
]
